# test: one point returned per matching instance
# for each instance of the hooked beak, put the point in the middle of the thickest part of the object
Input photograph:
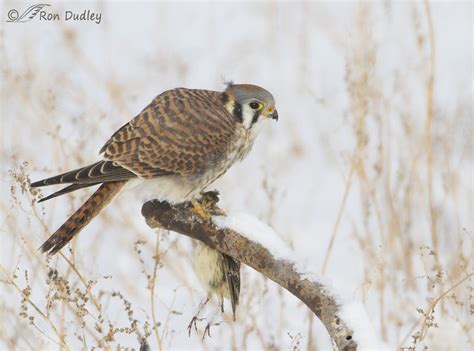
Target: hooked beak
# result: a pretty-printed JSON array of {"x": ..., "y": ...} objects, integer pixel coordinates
[{"x": 272, "y": 113}]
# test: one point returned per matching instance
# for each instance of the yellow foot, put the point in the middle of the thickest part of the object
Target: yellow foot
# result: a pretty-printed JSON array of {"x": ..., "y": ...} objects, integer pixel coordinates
[
  {"x": 209, "y": 200},
  {"x": 200, "y": 210}
]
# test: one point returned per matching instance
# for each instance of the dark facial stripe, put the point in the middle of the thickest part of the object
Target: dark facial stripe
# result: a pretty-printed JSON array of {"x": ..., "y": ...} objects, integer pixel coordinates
[
  {"x": 238, "y": 112},
  {"x": 256, "y": 115}
]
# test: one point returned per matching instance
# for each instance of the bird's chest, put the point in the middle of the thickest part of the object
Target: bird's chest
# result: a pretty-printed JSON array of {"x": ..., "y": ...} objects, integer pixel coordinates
[
  {"x": 241, "y": 148},
  {"x": 237, "y": 151}
]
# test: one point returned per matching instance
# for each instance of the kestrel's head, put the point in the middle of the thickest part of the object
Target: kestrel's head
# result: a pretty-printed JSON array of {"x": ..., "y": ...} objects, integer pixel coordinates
[{"x": 249, "y": 104}]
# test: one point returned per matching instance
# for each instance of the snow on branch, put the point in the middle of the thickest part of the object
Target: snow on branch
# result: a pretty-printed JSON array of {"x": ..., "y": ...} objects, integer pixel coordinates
[{"x": 247, "y": 247}]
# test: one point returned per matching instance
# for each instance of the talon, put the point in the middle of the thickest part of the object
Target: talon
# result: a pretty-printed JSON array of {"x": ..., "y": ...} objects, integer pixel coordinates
[
  {"x": 193, "y": 322},
  {"x": 195, "y": 319},
  {"x": 208, "y": 200},
  {"x": 190, "y": 325},
  {"x": 207, "y": 330},
  {"x": 219, "y": 212}
]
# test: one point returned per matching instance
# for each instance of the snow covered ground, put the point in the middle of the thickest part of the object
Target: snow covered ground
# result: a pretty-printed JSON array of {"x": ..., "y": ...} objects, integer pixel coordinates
[{"x": 366, "y": 177}]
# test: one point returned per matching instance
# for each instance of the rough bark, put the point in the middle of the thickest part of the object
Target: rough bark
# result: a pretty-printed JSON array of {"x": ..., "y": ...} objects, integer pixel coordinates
[{"x": 182, "y": 219}]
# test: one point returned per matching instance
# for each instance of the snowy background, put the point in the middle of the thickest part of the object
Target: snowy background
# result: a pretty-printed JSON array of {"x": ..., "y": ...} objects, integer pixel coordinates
[{"x": 367, "y": 176}]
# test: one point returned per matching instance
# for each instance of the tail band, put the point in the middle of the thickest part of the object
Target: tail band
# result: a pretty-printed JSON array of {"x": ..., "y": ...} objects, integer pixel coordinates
[{"x": 82, "y": 217}]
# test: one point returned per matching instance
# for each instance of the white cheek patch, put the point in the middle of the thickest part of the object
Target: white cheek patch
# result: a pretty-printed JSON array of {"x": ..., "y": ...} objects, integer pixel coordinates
[{"x": 247, "y": 116}]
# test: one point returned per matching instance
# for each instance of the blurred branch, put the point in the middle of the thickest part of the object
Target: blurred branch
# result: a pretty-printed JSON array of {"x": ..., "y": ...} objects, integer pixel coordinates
[{"x": 182, "y": 219}]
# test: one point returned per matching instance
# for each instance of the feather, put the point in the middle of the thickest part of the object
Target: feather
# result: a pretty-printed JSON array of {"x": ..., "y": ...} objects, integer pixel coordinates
[
  {"x": 99, "y": 172},
  {"x": 82, "y": 217},
  {"x": 66, "y": 190}
]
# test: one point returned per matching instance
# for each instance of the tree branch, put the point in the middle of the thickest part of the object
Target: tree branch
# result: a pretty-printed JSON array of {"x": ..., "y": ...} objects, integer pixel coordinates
[{"x": 183, "y": 220}]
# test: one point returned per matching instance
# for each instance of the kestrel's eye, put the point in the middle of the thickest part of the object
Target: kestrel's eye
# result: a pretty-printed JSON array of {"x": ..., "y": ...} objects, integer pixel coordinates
[{"x": 256, "y": 105}]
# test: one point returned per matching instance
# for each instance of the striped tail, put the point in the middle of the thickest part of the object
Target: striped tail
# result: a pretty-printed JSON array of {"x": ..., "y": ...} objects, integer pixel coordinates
[
  {"x": 82, "y": 217},
  {"x": 232, "y": 278}
]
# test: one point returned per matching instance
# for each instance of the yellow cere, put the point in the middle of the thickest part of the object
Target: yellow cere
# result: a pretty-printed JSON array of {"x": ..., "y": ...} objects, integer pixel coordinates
[{"x": 270, "y": 109}]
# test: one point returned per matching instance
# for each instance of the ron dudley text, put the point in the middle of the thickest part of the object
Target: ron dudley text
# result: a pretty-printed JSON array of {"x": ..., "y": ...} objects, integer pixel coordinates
[{"x": 86, "y": 16}]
